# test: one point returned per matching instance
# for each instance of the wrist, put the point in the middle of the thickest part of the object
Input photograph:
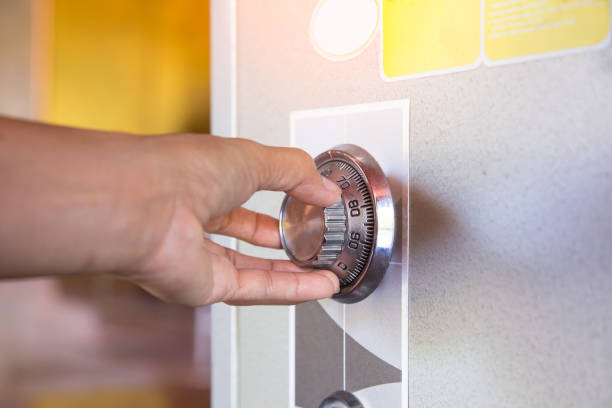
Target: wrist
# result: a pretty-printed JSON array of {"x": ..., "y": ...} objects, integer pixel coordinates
[{"x": 143, "y": 195}]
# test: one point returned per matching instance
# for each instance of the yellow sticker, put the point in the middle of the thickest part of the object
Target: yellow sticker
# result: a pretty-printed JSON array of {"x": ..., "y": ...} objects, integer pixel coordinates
[
  {"x": 421, "y": 37},
  {"x": 519, "y": 28},
  {"x": 429, "y": 35}
]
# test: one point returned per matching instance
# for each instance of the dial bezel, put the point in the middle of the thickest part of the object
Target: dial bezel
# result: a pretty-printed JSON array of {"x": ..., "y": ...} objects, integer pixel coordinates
[
  {"x": 373, "y": 268},
  {"x": 384, "y": 220}
]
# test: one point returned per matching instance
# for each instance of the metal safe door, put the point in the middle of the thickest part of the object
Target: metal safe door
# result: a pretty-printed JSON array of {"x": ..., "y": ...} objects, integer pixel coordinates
[{"x": 510, "y": 219}]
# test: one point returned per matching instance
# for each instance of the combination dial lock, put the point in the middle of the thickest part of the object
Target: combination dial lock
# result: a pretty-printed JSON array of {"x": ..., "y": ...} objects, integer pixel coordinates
[{"x": 354, "y": 237}]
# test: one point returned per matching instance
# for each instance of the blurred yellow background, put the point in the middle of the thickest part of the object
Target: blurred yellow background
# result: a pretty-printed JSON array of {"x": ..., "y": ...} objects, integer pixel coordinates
[{"x": 138, "y": 66}]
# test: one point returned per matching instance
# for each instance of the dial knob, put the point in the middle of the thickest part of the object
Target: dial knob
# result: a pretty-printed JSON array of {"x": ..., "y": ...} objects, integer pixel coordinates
[
  {"x": 353, "y": 237},
  {"x": 333, "y": 238},
  {"x": 341, "y": 399}
]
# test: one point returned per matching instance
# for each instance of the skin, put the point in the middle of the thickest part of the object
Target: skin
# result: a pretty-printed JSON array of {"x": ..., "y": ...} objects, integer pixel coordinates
[{"x": 76, "y": 201}]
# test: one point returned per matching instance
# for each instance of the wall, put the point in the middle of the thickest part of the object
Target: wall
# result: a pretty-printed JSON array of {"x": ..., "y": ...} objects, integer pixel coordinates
[
  {"x": 15, "y": 41},
  {"x": 14, "y": 101},
  {"x": 76, "y": 342},
  {"x": 142, "y": 66},
  {"x": 510, "y": 188}
]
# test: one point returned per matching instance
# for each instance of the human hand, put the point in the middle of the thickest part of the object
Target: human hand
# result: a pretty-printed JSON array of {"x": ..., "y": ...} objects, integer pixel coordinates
[
  {"x": 77, "y": 201},
  {"x": 209, "y": 179}
]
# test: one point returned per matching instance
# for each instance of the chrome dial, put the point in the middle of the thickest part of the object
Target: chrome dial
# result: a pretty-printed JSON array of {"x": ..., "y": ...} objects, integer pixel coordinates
[
  {"x": 341, "y": 399},
  {"x": 353, "y": 238}
]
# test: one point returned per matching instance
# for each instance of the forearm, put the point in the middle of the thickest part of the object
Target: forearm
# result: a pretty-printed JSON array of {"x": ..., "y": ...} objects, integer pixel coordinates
[{"x": 75, "y": 200}]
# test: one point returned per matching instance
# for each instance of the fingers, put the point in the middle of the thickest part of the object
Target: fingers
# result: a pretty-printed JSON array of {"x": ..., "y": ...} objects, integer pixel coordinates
[
  {"x": 255, "y": 228},
  {"x": 245, "y": 280},
  {"x": 212, "y": 274},
  {"x": 241, "y": 261},
  {"x": 259, "y": 287},
  {"x": 293, "y": 171}
]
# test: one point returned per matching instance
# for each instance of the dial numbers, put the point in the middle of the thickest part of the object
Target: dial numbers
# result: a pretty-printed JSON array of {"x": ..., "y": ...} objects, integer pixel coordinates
[
  {"x": 357, "y": 232},
  {"x": 361, "y": 224}
]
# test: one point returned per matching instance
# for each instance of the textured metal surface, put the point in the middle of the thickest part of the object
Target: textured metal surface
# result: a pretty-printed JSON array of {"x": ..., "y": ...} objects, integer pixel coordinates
[
  {"x": 335, "y": 230},
  {"x": 510, "y": 191}
]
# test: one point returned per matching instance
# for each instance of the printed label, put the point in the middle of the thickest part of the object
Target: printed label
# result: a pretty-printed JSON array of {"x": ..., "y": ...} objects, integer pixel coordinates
[
  {"x": 518, "y": 28},
  {"x": 424, "y": 37}
]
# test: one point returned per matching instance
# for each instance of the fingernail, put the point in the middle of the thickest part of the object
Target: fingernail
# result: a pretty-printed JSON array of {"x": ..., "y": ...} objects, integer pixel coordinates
[
  {"x": 330, "y": 185},
  {"x": 334, "y": 278}
]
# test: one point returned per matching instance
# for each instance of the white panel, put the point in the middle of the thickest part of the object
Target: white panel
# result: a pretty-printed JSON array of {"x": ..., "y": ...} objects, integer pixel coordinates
[
  {"x": 384, "y": 395},
  {"x": 318, "y": 134},
  {"x": 377, "y": 322},
  {"x": 382, "y": 132}
]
